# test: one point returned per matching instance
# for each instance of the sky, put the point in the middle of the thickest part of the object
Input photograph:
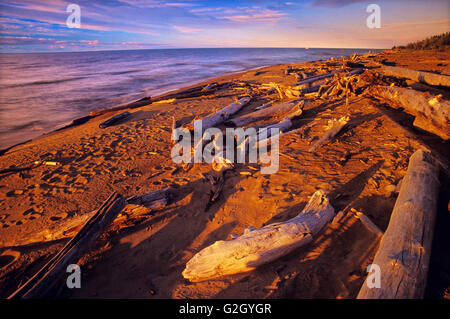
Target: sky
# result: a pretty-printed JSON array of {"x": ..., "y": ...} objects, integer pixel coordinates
[{"x": 41, "y": 25}]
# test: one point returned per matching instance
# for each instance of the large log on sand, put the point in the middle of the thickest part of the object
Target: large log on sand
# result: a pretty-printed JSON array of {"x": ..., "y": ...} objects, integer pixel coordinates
[
  {"x": 271, "y": 111},
  {"x": 418, "y": 76},
  {"x": 259, "y": 246},
  {"x": 432, "y": 113},
  {"x": 404, "y": 252}
]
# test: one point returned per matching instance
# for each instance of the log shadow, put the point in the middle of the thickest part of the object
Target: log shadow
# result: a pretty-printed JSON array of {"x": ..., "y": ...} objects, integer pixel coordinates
[{"x": 152, "y": 256}]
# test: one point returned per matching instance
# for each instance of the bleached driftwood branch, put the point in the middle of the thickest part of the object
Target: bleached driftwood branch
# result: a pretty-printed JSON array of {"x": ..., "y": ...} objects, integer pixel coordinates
[
  {"x": 224, "y": 114},
  {"x": 418, "y": 76},
  {"x": 271, "y": 111},
  {"x": 404, "y": 252},
  {"x": 334, "y": 127},
  {"x": 259, "y": 246},
  {"x": 432, "y": 112}
]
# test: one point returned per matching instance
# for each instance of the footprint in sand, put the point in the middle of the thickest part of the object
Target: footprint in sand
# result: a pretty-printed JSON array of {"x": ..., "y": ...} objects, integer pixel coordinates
[
  {"x": 59, "y": 217},
  {"x": 8, "y": 257}
]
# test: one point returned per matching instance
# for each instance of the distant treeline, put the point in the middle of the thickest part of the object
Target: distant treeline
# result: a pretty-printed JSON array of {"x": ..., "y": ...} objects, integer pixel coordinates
[{"x": 439, "y": 42}]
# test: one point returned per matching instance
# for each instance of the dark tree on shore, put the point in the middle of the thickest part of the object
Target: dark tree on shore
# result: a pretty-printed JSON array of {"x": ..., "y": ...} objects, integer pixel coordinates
[{"x": 436, "y": 42}]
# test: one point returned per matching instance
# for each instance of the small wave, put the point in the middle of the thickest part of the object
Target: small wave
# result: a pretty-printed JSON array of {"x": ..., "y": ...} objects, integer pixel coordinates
[
  {"x": 35, "y": 125},
  {"x": 124, "y": 71},
  {"x": 44, "y": 82}
]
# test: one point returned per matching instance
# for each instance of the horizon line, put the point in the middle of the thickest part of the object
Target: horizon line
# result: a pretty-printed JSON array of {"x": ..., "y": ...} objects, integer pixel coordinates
[{"x": 199, "y": 48}]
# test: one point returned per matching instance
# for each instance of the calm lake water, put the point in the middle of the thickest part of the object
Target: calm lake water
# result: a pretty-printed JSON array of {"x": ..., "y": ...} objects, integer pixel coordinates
[{"x": 40, "y": 92}]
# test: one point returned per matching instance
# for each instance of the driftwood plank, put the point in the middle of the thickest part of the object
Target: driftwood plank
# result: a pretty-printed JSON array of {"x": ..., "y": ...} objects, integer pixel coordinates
[
  {"x": 43, "y": 283},
  {"x": 404, "y": 252},
  {"x": 418, "y": 76},
  {"x": 259, "y": 246},
  {"x": 433, "y": 110}
]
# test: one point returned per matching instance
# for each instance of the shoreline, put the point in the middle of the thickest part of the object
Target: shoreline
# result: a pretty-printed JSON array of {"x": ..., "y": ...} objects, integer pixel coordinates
[{"x": 193, "y": 83}]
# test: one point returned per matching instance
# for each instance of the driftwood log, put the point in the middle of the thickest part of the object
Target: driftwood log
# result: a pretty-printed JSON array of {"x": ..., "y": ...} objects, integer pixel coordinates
[
  {"x": 224, "y": 114},
  {"x": 418, "y": 76},
  {"x": 266, "y": 113},
  {"x": 43, "y": 283},
  {"x": 259, "y": 246},
  {"x": 432, "y": 113},
  {"x": 114, "y": 120},
  {"x": 404, "y": 252}
]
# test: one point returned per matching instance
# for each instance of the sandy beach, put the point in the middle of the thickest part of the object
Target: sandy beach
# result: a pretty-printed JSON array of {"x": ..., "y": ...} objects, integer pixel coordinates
[{"x": 143, "y": 252}]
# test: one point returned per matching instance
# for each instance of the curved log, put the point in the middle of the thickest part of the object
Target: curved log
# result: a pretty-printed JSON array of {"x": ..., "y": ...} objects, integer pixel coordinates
[{"x": 259, "y": 246}]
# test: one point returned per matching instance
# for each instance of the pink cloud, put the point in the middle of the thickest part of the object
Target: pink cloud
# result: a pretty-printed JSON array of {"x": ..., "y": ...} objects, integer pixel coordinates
[{"x": 184, "y": 29}]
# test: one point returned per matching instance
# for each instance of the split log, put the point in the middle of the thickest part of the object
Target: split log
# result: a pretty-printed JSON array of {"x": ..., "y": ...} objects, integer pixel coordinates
[
  {"x": 259, "y": 246},
  {"x": 43, "y": 283},
  {"x": 225, "y": 113},
  {"x": 69, "y": 227},
  {"x": 334, "y": 127},
  {"x": 271, "y": 111},
  {"x": 433, "y": 111},
  {"x": 114, "y": 120},
  {"x": 404, "y": 252},
  {"x": 418, "y": 76}
]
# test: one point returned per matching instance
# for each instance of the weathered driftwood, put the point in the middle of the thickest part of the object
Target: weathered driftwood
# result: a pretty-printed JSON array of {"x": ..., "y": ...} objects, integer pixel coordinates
[
  {"x": 259, "y": 246},
  {"x": 44, "y": 281},
  {"x": 115, "y": 119},
  {"x": 265, "y": 105},
  {"x": 315, "y": 78},
  {"x": 271, "y": 111},
  {"x": 434, "y": 112},
  {"x": 224, "y": 114},
  {"x": 418, "y": 76},
  {"x": 369, "y": 224},
  {"x": 217, "y": 183},
  {"x": 147, "y": 199},
  {"x": 404, "y": 252},
  {"x": 334, "y": 127}
]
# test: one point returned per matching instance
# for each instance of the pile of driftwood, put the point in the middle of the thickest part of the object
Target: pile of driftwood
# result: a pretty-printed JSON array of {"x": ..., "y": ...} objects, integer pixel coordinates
[{"x": 404, "y": 250}]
